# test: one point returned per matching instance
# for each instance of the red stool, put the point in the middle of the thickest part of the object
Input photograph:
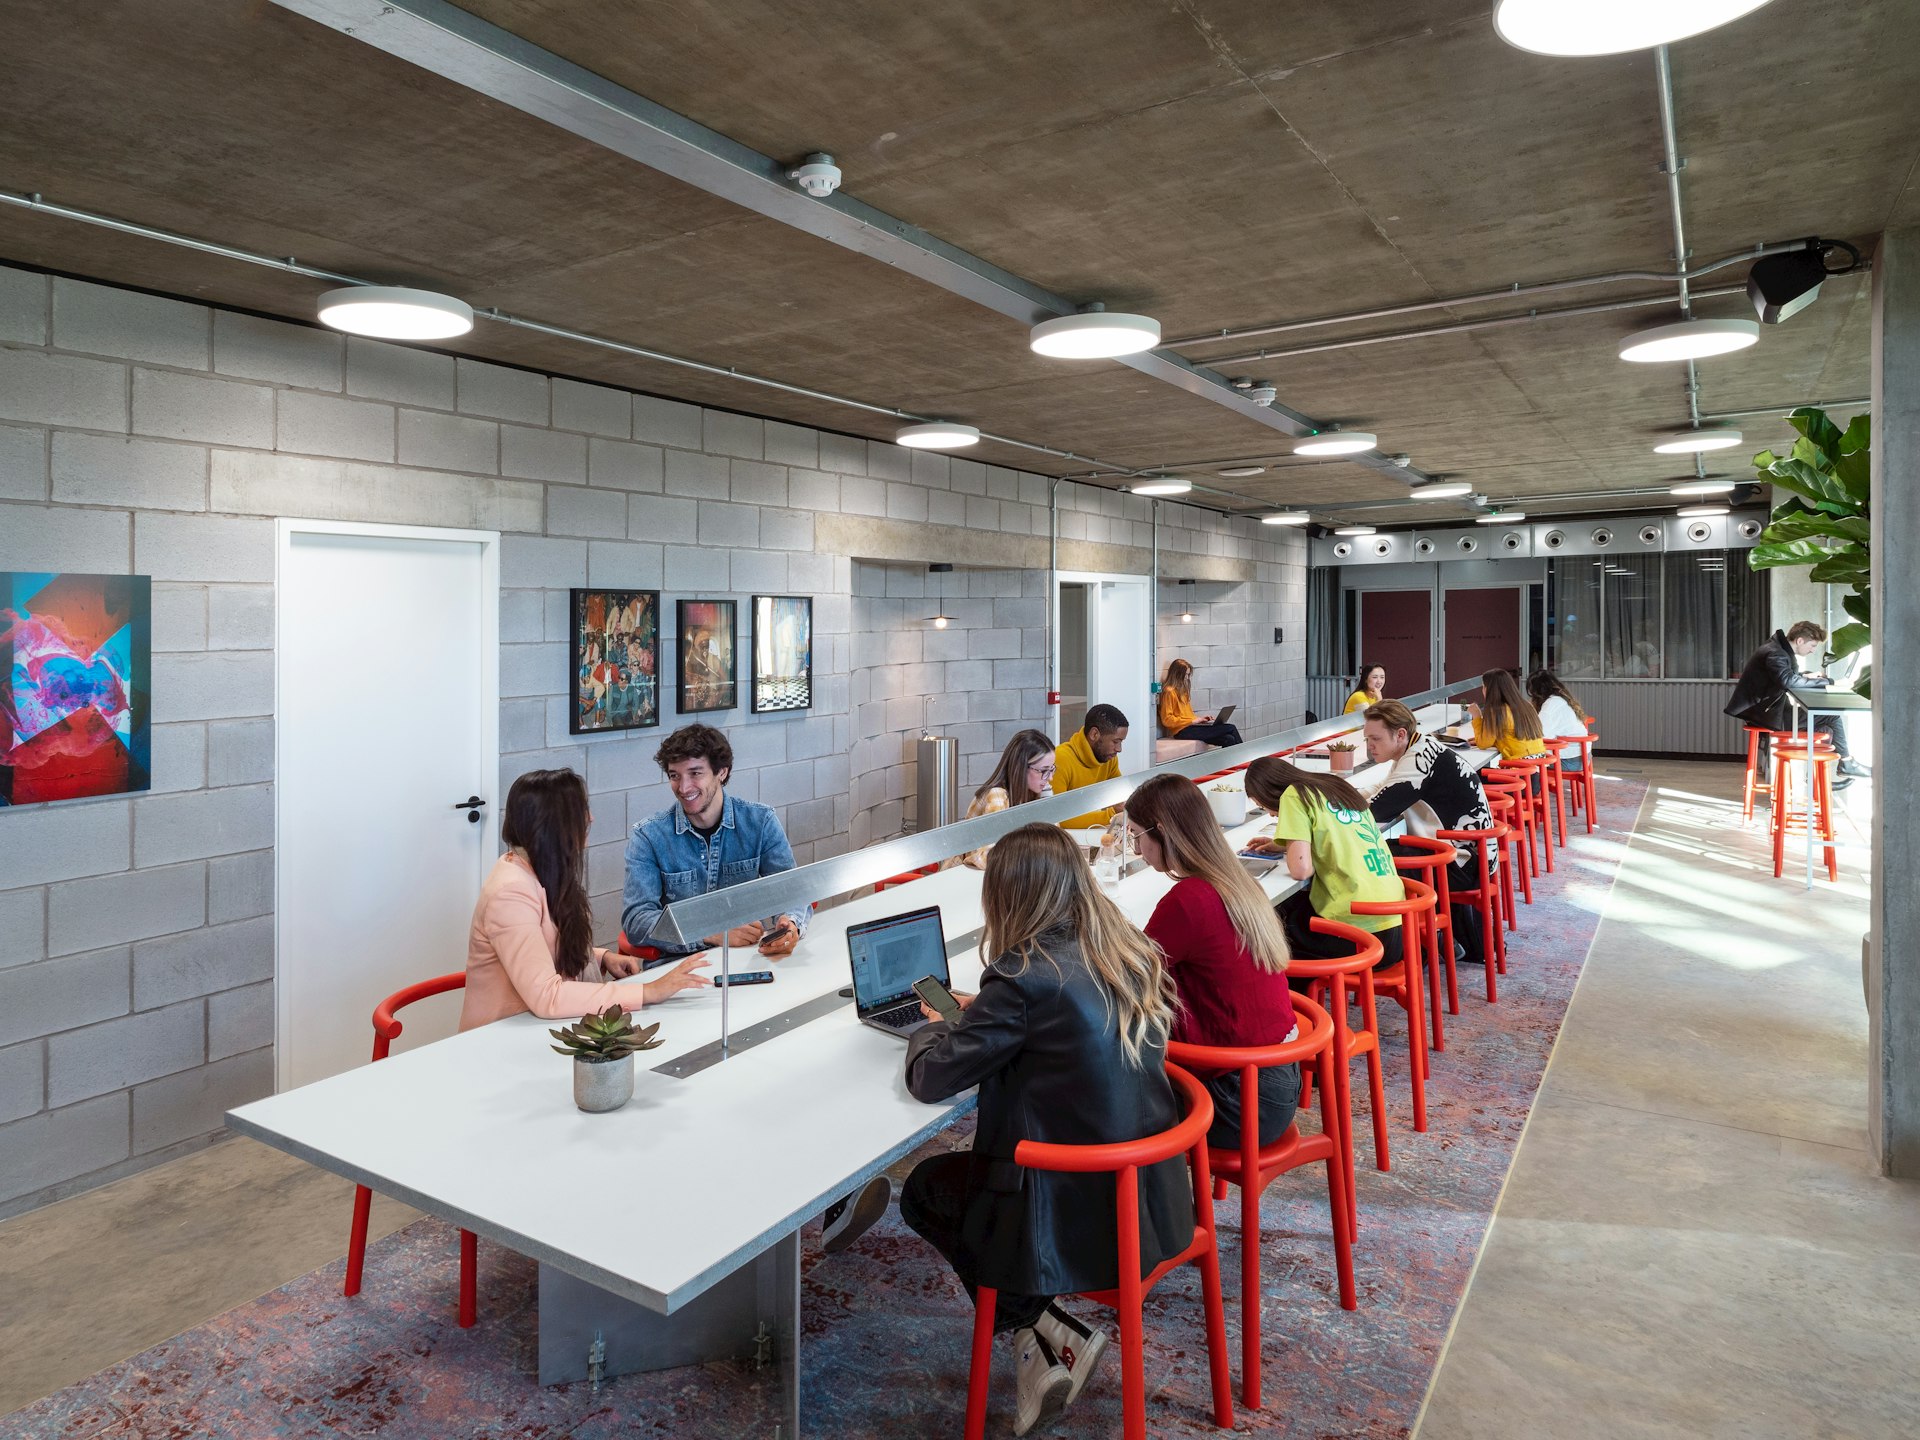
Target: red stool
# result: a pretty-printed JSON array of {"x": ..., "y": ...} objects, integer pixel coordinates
[
  {"x": 1253, "y": 1168},
  {"x": 1401, "y": 983},
  {"x": 1484, "y": 896},
  {"x": 1786, "y": 820},
  {"x": 1433, "y": 860},
  {"x": 1342, "y": 980},
  {"x": 905, "y": 878},
  {"x": 1124, "y": 1162},
  {"x": 1581, "y": 780},
  {"x": 1538, "y": 770},
  {"x": 386, "y": 1029}
]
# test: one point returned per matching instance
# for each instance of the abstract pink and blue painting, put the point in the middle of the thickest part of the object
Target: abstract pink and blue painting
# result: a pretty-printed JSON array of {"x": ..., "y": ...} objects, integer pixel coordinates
[{"x": 75, "y": 658}]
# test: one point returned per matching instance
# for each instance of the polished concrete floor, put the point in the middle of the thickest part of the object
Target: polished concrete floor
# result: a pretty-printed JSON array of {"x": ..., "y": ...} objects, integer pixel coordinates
[{"x": 1694, "y": 1240}]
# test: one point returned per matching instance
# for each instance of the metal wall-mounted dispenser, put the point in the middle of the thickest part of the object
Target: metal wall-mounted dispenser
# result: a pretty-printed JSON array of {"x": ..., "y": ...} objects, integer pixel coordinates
[{"x": 937, "y": 766}]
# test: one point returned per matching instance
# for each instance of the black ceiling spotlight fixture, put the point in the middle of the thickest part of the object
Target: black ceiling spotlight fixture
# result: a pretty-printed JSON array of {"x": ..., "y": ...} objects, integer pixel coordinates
[
  {"x": 1317, "y": 531},
  {"x": 1781, "y": 286},
  {"x": 940, "y": 567}
]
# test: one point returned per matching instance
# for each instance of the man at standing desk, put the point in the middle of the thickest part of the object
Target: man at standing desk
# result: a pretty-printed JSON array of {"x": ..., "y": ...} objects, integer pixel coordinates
[
  {"x": 1089, "y": 756},
  {"x": 1760, "y": 697}
]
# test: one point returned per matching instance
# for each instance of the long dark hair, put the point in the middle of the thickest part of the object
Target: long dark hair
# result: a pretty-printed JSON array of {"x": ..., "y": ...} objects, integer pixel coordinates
[
  {"x": 547, "y": 817},
  {"x": 1010, "y": 774},
  {"x": 1543, "y": 685},
  {"x": 1365, "y": 671},
  {"x": 1271, "y": 777},
  {"x": 1507, "y": 708}
]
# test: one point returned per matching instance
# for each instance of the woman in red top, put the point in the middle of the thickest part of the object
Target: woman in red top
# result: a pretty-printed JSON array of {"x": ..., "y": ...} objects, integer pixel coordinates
[{"x": 1223, "y": 946}]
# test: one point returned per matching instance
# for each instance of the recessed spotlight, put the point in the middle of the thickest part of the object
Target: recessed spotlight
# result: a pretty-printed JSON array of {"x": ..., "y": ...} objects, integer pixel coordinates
[
  {"x": 1609, "y": 27},
  {"x": 1094, "y": 334},
  {"x": 1336, "y": 442},
  {"x": 1501, "y": 517},
  {"x": 1690, "y": 442},
  {"x": 1162, "y": 485},
  {"x": 1445, "y": 490},
  {"x": 392, "y": 312},
  {"x": 1695, "y": 512},
  {"x": 1241, "y": 472},
  {"x": 1355, "y": 530},
  {"x": 1689, "y": 340},
  {"x": 1703, "y": 487},
  {"x": 938, "y": 435},
  {"x": 1287, "y": 517}
]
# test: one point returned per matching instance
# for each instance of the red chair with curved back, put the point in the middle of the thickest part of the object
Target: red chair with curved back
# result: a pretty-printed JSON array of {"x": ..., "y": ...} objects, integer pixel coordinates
[
  {"x": 1342, "y": 980},
  {"x": 1513, "y": 786},
  {"x": 639, "y": 952},
  {"x": 1401, "y": 983},
  {"x": 1538, "y": 770},
  {"x": 1505, "y": 810},
  {"x": 1253, "y": 1168},
  {"x": 386, "y": 1029},
  {"x": 1484, "y": 896},
  {"x": 1432, "y": 859},
  {"x": 1124, "y": 1162}
]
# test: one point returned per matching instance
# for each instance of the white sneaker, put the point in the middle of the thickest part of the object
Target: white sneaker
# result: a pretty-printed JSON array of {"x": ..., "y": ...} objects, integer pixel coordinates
[
  {"x": 1044, "y": 1382},
  {"x": 851, "y": 1216},
  {"x": 1078, "y": 1346}
]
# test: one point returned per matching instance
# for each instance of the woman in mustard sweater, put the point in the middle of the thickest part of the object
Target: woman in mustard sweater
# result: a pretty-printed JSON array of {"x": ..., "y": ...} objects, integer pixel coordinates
[
  {"x": 1177, "y": 720},
  {"x": 1507, "y": 721},
  {"x": 1373, "y": 688}
]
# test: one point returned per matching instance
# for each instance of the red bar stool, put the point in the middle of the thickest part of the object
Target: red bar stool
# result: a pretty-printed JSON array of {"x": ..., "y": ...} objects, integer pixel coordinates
[
  {"x": 1124, "y": 1162},
  {"x": 1786, "y": 820},
  {"x": 1433, "y": 860},
  {"x": 386, "y": 1029},
  {"x": 1585, "y": 798},
  {"x": 1401, "y": 983},
  {"x": 1339, "y": 981},
  {"x": 1253, "y": 1168},
  {"x": 1484, "y": 896}
]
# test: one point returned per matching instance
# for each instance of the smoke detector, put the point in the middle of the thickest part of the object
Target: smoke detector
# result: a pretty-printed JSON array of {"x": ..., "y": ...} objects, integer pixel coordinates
[
  {"x": 817, "y": 175},
  {"x": 1258, "y": 391},
  {"x": 1403, "y": 461}
]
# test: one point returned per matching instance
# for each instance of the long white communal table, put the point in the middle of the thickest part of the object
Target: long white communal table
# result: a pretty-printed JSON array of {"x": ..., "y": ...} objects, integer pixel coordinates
[{"x": 667, "y": 1232}]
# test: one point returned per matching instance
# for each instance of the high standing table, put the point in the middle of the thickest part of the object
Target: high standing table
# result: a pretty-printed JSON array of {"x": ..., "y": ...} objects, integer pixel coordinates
[{"x": 1814, "y": 703}]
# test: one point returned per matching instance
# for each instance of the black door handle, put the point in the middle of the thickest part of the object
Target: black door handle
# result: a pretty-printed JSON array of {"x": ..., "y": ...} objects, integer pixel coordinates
[{"x": 472, "y": 806}]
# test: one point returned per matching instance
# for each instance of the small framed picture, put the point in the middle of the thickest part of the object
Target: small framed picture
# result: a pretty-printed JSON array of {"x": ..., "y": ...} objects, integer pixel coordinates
[
  {"x": 709, "y": 668},
  {"x": 616, "y": 661},
  {"x": 782, "y": 653}
]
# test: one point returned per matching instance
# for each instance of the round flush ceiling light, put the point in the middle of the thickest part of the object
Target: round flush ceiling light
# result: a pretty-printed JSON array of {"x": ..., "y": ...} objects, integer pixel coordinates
[
  {"x": 1696, "y": 512},
  {"x": 1355, "y": 530},
  {"x": 1690, "y": 442},
  {"x": 1241, "y": 472},
  {"x": 392, "y": 312},
  {"x": 1501, "y": 517},
  {"x": 1446, "y": 490},
  {"x": 1689, "y": 340},
  {"x": 1286, "y": 517},
  {"x": 1609, "y": 27},
  {"x": 1162, "y": 485},
  {"x": 939, "y": 435},
  {"x": 1703, "y": 487},
  {"x": 1094, "y": 334},
  {"x": 1336, "y": 442}
]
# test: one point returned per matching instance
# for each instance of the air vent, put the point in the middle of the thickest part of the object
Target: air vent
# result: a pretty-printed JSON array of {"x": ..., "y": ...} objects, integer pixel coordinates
[
  {"x": 1467, "y": 544},
  {"x": 1649, "y": 534},
  {"x": 1342, "y": 550},
  {"x": 1603, "y": 536},
  {"x": 1383, "y": 546},
  {"x": 1554, "y": 539},
  {"x": 1699, "y": 532},
  {"x": 1512, "y": 541},
  {"x": 1423, "y": 547},
  {"x": 1749, "y": 529}
]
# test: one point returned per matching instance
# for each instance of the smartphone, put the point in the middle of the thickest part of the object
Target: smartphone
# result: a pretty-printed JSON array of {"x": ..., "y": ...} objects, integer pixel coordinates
[
  {"x": 937, "y": 998},
  {"x": 743, "y": 977}
]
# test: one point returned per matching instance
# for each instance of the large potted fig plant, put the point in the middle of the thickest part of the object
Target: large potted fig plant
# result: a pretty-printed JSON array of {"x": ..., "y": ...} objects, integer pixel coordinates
[
  {"x": 603, "y": 1047},
  {"x": 1826, "y": 521}
]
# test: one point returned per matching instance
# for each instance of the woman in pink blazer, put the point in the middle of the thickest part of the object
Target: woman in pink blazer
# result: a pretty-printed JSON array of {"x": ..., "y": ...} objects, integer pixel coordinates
[{"x": 531, "y": 944}]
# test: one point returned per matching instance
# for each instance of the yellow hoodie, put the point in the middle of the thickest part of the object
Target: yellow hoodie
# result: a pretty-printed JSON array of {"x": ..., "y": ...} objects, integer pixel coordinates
[{"x": 1075, "y": 769}]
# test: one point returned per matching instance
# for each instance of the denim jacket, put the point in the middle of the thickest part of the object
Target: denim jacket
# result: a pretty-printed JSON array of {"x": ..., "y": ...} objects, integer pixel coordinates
[{"x": 667, "y": 861}]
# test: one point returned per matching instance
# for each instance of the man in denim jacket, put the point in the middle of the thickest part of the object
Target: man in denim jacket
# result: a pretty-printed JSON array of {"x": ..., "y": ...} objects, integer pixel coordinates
[{"x": 707, "y": 842}]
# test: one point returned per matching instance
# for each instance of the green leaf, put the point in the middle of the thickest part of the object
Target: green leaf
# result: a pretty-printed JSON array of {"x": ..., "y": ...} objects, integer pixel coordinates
[
  {"x": 1855, "y": 474},
  {"x": 1790, "y": 552},
  {"x": 1837, "y": 569},
  {"x": 1859, "y": 436},
  {"x": 1819, "y": 431},
  {"x": 1864, "y": 685},
  {"x": 1860, "y": 607},
  {"x": 1849, "y": 638},
  {"x": 1807, "y": 524}
]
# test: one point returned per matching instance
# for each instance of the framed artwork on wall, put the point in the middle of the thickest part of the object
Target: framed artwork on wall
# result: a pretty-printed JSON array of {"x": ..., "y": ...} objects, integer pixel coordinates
[
  {"x": 782, "y": 653},
  {"x": 709, "y": 669},
  {"x": 75, "y": 686},
  {"x": 616, "y": 661}
]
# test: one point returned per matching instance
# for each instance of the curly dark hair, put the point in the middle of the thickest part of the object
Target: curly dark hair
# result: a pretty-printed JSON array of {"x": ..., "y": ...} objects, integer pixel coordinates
[{"x": 696, "y": 742}]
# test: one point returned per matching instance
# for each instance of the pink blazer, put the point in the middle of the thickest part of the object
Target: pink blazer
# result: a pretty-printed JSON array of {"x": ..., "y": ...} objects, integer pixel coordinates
[{"x": 510, "y": 957}]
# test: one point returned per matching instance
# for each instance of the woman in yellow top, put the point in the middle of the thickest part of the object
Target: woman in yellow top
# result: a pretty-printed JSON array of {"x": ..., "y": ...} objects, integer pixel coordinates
[
  {"x": 1373, "y": 689},
  {"x": 1507, "y": 721},
  {"x": 1025, "y": 772},
  {"x": 1326, "y": 833},
  {"x": 1177, "y": 720}
]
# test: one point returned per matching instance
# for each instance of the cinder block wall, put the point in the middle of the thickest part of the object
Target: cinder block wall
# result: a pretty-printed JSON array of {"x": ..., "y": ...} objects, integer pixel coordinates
[{"x": 148, "y": 435}]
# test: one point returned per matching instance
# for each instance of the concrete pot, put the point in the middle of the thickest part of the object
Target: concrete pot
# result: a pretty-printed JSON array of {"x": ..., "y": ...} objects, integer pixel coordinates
[
  {"x": 602, "y": 1085},
  {"x": 1229, "y": 806}
]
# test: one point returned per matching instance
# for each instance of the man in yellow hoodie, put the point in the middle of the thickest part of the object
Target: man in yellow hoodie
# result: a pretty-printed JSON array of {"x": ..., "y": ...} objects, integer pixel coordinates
[{"x": 1090, "y": 756}]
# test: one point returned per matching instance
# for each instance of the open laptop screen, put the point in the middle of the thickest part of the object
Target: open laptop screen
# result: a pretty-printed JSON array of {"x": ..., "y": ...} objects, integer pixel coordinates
[{"x": 890, "y": 954}]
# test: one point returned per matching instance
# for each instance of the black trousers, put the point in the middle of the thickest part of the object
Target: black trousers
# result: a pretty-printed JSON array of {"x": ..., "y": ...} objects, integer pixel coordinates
[
  {"x": 1296, "y": 915},
  {"x": 1466, "y": 918},
  {"x": 1279, "y": 1099},
  {"x": 934, "y": 1203},
  {"x": 1212, "y": 734}
]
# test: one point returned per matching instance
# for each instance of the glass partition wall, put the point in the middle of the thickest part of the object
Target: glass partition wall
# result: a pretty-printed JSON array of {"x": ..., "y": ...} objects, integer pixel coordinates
[{"x": 1691, "y": 615}]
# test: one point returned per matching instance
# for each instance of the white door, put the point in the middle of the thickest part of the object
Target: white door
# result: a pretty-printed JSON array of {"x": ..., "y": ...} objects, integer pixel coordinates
[
  {"x": 1118, "y": 611},
  {"x": 387, "y": 718}
]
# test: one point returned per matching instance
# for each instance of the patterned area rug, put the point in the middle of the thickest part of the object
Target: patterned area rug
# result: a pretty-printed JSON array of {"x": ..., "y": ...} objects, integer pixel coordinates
[{"x": 886, "y": 1327}]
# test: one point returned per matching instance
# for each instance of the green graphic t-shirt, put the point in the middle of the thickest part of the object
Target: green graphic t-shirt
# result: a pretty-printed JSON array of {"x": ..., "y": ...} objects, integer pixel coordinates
[{"x": 1350, "y": 860}]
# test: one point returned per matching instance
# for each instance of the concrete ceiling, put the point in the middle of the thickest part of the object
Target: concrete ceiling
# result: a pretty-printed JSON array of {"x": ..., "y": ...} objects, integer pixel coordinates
[{"x": 1216, "y": 163}]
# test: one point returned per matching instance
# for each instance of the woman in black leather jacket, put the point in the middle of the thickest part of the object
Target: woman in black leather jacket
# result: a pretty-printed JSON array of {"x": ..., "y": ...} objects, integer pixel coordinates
[{"x": 1067, "y": 1042}]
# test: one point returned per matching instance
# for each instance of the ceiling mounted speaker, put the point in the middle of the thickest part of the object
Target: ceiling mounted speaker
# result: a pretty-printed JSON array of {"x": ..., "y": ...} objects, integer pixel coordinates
[
  {"x": 1554, "y": 539},
  {"x": 1383, "y": 546},
  {"x": 1467, "y": 544},
  {"x": 1649, "y": 534},
  {"x": 1699, "y": 532},
  {"x": 1343, "y": 550},
  {"x": 1749, "y": 529},
  {"x": 1423, "y": 547}
]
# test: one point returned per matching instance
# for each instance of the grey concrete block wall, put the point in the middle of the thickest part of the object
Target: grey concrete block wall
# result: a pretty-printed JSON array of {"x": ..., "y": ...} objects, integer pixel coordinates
[{"x": 153, "y": 436}]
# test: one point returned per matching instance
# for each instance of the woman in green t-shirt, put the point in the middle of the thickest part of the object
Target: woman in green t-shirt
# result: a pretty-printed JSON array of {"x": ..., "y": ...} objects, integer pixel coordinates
[{"x": 1326, "y": 834}]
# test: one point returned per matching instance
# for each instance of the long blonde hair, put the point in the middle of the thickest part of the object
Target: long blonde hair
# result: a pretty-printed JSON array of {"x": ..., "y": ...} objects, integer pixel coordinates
[
  {"x": 1180, "y": 818},
  {"x": 1037, "y": 884},
  {"x": 1179, "y": 678}
]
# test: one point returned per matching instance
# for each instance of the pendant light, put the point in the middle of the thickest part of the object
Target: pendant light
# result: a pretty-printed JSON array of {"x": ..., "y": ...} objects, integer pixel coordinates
[
  {"x": 1609, "y": 27},
  {"x": 392, "y": 312},
  {"x": 1689, "y": 340}
]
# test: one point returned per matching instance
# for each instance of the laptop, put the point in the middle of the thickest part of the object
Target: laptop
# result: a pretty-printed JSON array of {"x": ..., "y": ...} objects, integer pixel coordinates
[
  {"x": 1226, "y": 714},
  {"x": 888, "y": 956}
]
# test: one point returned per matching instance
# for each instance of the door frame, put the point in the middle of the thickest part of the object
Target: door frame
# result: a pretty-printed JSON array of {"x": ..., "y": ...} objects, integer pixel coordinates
[
  {"x": 284, "y": 530},
  {"x": 1435, "y": 637},
  {"x": 1145, "y": 583},
  {"x": 1440, "y": 620}
]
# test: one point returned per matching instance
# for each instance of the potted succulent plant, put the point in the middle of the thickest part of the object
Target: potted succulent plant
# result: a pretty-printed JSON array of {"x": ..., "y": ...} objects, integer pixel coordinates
[
  {"x": 603, "y": 1047},
  {"x": 1340, "y": 755},
  {"x": 1228, "y": 803}
]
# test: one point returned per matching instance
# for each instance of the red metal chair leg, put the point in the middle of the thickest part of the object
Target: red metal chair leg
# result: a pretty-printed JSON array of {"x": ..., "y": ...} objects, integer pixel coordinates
[
  {"x": 357, "y": 1240},
  {"x": 981, "y": 1374},
  {"x": 469, "y": 1263}
]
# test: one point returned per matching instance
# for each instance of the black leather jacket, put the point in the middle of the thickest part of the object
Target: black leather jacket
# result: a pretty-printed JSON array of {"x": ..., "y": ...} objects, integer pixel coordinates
[
  {"x": 1760, "y": 696},
  {"x": 1042, "y": 1042}
]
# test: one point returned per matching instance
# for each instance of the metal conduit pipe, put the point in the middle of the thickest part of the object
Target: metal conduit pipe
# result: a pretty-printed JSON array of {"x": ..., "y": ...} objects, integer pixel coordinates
[
  {"x": 1862, "y": 404},
  {"x": 1053, "y": 604},
  {"x": 1671, "y": 163}
]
